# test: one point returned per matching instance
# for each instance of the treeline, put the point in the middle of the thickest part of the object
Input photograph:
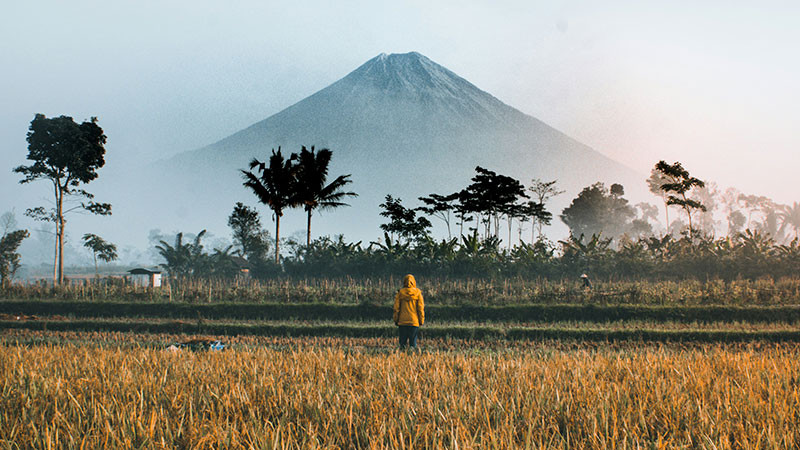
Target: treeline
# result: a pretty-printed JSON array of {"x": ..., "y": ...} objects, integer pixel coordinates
[
  {"x": 608, "y": 240},
  {"x": 609, "y": 237},
  {"x": 746, "y": 255}
]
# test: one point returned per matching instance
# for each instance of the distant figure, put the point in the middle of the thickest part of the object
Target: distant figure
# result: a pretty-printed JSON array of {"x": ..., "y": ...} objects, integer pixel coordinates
[
  {"x": 586, "y": 283},
  {"x": 409, "y": 311}
]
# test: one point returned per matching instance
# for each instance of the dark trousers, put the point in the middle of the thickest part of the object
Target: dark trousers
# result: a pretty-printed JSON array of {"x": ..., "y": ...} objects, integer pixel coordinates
[{"x": 408, "y": 336}]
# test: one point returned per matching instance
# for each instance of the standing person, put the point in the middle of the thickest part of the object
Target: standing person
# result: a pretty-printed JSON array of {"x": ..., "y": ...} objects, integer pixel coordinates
[
  {"x": 586, "y": 283},
  {"x": 409, "y": 311}
]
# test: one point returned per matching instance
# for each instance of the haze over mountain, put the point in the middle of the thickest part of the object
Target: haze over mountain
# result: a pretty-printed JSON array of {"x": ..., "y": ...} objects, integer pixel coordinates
[{"x": 400, "y": 124}]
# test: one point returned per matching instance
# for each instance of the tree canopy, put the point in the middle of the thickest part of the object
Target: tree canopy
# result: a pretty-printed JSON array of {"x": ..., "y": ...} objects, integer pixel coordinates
[
  {"x": 67, "y": 154},
  {"x": 313, "y": 191},
  {"x": 597, "y": 210},
  {"x": 678, "y": 186}
]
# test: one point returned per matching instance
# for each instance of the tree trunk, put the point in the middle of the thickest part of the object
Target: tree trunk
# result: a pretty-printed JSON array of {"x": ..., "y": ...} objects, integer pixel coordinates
[
  {"x": 688, "y": 214},
  {"x": 96, "y": 271},
  {"x": 666, "y": 213},
  {"x": 60, "y": 219},
  {"x": 55, "y": 255},
  {"x": 277, "y": 237},
  {"x": 510, "y": 224},
  {"x": 308, "y": 230}
]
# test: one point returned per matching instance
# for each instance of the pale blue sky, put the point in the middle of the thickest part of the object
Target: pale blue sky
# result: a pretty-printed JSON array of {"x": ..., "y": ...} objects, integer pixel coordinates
[{"x": 713, "y": 84}]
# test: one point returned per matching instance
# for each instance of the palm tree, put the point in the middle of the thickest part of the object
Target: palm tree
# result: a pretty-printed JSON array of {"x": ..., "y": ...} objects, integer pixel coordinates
[
  {"x": 312, "y": 192},
  {"x": 790, "y": 217},
  {"x": 275, "y": 186}
]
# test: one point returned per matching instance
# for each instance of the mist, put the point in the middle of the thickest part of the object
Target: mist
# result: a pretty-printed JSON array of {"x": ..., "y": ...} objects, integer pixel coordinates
[{"x": 710, "y": 86}]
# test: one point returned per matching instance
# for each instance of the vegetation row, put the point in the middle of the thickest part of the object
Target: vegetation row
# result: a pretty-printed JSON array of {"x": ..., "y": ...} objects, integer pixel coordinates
[
  {"x": 376, "y": 313},
  {"x": 437, "y": 291},
  {"x": 474, "y": 332}
]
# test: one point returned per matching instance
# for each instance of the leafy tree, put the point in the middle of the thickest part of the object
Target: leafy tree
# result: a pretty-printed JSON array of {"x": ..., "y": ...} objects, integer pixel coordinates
[
  {"x": 9, "y": 258},
  {"x": 679, "y": 187},
  {"x": 538, "y": 214},
  {"x": 100, "y": 248},
  {"x": 752, "y": 204},
  {"x": 275, "y": 185},
  {"x": 491, "y": 195},
  {"x": 596, "y": 210},
  {"x": 641, "y": 226},
  {"x": 476, "y": 198},
  {"x": 440, "y": 207},
  {"x": 248, "y": 234},
  {"x": 313, "y": 193},
  {"x": 67, "y": 154},
  {"x": 736, "y": 221},
  {"x": 543, "y": 191},
  {"x": 402, "y": 221}
]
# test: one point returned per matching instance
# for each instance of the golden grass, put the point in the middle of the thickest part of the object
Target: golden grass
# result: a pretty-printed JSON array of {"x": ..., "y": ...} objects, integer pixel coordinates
[{"x": 326, "y": 397}]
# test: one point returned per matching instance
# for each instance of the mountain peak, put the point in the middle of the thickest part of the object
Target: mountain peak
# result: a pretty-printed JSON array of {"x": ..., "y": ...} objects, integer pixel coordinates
[
  {"x": 399, "y": 56},
  {"x": 394, "y": 113},
  {"x": 400, "y": 70},
  {"x": 414, "y": 77}
]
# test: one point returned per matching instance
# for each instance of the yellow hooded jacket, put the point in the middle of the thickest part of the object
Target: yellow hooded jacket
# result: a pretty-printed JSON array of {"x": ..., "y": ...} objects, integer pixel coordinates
[{"x": 409, "y": 307}]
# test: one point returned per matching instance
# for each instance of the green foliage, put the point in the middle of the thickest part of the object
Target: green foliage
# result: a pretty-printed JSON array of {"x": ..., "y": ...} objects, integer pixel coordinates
[
  {"x": 100, "y": 248},
  {"x": 677, "y": 187},
  {"x": 491, "y": 195},
  {"x": 597, "y": 210},
  {"x": 402, "y": 221},
  {"x": 367, "y": 312},
  {"x": 297, "y": 181},
  {"x": 440, "y": 207},
  {"x": 66, "y": 154},
  {"x": 747, "y": 255},
  {"x": 312, "y": 191},
  {"x": 183, "y": 259},
  {"x": 275, "y": 185},
  {"x": 9, "y": 258},
  {"x": 248, "y": 235}
]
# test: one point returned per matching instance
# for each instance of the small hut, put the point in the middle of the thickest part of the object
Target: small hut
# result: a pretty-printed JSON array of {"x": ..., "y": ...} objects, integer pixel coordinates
[{"x": 145, "y": 277}]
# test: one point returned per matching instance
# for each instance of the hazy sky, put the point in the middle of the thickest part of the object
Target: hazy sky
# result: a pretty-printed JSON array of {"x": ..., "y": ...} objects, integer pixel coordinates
[{"x": 713, "y": 84}]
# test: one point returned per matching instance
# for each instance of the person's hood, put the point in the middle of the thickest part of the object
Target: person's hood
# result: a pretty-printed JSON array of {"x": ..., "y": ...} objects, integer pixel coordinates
[{"x": 409, "y": 281}]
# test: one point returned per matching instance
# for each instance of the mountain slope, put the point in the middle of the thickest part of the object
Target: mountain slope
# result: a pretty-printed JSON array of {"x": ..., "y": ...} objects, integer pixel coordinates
[{"x": 400, "y": 124}]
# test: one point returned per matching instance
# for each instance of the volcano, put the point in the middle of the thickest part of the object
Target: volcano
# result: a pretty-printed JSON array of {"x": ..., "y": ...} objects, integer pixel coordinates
[{"x": 400, "y": 124}]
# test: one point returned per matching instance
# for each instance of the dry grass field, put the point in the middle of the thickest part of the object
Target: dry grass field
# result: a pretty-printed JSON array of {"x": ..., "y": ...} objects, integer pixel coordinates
[{"x": 333, "y": 394}]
